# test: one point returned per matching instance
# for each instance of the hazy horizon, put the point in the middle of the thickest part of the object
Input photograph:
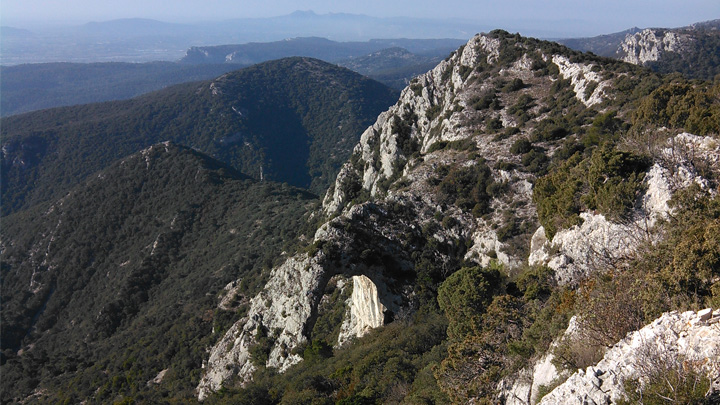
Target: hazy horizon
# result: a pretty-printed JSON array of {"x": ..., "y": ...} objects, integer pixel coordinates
[{"x": 573, "y": 18}]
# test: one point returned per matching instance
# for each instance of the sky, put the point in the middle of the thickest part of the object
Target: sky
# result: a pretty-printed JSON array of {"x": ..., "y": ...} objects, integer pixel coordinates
[{"x": 594, "y": 16}]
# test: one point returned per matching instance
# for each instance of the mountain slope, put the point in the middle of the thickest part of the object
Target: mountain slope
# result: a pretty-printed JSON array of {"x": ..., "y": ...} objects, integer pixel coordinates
[
  {"x": 293, "y": 120},
  {"x": 485, "y": 203},
  {"x": 47, "y": 85},
  {"x": 522, "y": 207},
  {"x": 392, "y": 66},
  {"x": 116, "y": 281}
]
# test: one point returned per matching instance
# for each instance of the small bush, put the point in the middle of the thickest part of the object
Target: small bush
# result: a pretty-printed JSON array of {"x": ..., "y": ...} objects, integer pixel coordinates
[
  {"x": 494, "y": 125},
  {"x": 609, "y": 181},
  {"x": 514, "y": 85},
  {"x": 433, "y": 112},
  {"x": 522, "y": 145},
  {"x": 467, "y": 187}
]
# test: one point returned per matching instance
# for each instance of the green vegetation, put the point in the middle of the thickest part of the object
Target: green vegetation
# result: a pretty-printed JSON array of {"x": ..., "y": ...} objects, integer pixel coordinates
[
  {"x": 512, "y": 321},
  {"x": 470, "y": 188},
  {"x": 679, "y": 104},
  {"x": 522, "y": 145},
  {"x": 138, "y": 255},
  {"x": 464, "y": 296},
  {"x": 270, "y": 117},
  {"x": 668, "y": 383},
  {"x": 608, "y": 181},
  {"x": 485, "y": 101},
  {"x": 678, "y": 273},
  {"x": 403, "y": 128},
  {"x": 391, "y": 364}
]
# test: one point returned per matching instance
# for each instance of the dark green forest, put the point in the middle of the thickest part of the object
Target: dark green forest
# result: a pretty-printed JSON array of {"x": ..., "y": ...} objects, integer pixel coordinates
[
  {"x": 293, "y": 120},
  {"x": 119, "y": 279}
]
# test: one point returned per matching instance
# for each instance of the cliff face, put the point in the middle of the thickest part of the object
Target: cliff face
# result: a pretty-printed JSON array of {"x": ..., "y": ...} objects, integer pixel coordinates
[
  {"x": 690, "y": 50},
  {"x": 649, "y": 45},
  {"x": 443, "y": 176},
  {"x": 281, "y": 318}
]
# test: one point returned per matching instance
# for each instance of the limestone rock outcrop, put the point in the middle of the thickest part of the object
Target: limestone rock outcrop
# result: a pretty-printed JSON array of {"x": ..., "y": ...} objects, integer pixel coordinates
[
  {"x": 523, "y": 388},
  {"x": 387, "y": 207},
  {"x": 600, "y": 243},
  {"x": 648, "y": 45},
  {"x": 280, "y": 310},
  {"x": 366, "y": 311},
  {"x": 688, "y": 339}
]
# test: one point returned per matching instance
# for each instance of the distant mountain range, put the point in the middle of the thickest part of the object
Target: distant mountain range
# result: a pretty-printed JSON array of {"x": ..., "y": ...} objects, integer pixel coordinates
[
  {"x": 143, "y": 40},
  {"x": 38, "y": 86},
  {"x": 693, "y": 51},
  {"x": 391, "y": 61},
  {"x": 314, "y": 47},
  {"x": 32, "y": 87}
]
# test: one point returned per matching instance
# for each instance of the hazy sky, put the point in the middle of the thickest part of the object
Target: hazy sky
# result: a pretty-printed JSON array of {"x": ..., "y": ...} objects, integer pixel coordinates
[{"x": 604, "y": 16}]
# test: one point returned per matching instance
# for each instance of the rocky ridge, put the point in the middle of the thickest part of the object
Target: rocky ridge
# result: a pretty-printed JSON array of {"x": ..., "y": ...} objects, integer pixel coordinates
[
  {"x": 388, "y": 202},
  {"x": 358, "y": 229}
]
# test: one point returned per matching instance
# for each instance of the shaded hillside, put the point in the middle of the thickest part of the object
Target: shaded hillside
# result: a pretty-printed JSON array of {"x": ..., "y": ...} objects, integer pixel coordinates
[
  {"x": 117, "y": 281},
  {"x": 47, "y": 85},
  {"x": 293, "y": 120},
  {"x": 392, "y": 66}
]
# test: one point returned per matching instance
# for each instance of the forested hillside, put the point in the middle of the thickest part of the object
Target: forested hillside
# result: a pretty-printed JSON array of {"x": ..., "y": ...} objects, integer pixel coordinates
[
  {"x": 293, "y": 120},
  {"x": 117, "y": 282}
]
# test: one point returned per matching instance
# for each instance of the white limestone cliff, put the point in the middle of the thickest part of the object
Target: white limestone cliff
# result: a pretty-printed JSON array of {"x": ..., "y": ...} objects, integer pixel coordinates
[
  {"x": 365, "y": 310},
  {"x": 523, "y": 388},
  {"x": 648, "y": 45},
  {"x": 282, "y": 308},
  {"x": 583, "y": 78}
]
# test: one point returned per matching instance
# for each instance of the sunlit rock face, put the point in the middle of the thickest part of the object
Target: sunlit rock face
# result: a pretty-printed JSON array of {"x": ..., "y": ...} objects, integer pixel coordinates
[
  {"x": 365, "y": 313},
  {"x": 690, "y": 339},
  {"x": 649, "y": 45}
]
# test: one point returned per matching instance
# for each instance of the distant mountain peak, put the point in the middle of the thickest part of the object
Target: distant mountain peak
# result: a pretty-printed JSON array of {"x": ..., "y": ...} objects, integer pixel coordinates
[{"x": 303, "y": 13}]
